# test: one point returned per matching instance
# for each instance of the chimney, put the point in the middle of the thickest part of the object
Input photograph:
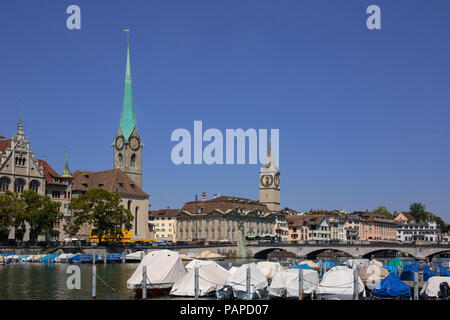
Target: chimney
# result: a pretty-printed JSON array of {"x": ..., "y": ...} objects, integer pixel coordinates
[
  {"x": 203, "y": 196},
  {"x": 196, "y": 199},
  {"x": 2, "y": 138},
  {"x": 215, "y": 195}
]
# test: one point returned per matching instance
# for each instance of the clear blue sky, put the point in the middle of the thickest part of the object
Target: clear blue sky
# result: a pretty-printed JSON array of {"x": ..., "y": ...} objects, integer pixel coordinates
[{"x": 363, "y": 115}]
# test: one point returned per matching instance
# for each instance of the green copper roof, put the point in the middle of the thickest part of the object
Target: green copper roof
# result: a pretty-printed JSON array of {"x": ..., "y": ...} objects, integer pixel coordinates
[
  {"x": 127, "y": 119},
  {"x": 66, "y": 172}
]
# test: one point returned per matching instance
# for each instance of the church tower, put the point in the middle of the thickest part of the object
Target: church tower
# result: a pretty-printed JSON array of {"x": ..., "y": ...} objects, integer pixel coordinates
[
  {"x": 269, "y": 183},
  {"x": 127, "y": 144}
]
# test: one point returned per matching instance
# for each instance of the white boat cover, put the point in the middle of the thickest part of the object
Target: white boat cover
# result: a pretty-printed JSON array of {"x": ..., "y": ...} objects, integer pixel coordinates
[
  {"x": 238, "y": 279},
  {"x": 209, "y": 277},
  {"x": 135, "y": 255},
  {"x": 287, "y": 281},
  {"x": 269, "y": 268},
  {"x": 376, "y": 262},
  {"x": 373, "y": 273},
  {"x": 310, "y": 263},
  {"x": 338, "y": 281},
  {"x": 357, "y": 263},
  {"x": 164, "y": 267},
  {"x": 63, "y": 257},
  {"x": 431, "y": 287},
  {"x": 201, "y": 263},
  {"x": 232, "y": 269}
]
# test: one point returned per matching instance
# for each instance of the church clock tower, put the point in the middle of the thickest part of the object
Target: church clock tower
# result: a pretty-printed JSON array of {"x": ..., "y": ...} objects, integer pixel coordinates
[
  {"x": 269, "y": 183},
  {"x": 127, "y": 144}
]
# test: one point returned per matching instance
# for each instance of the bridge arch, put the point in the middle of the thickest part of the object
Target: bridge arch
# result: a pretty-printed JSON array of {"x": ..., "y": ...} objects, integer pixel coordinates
[
  {"x": 445, "y": 250},
  {"x": 263, "y": 253},
  {"x": 312, "y": 255},
  {"x": 369, "y": 253}
]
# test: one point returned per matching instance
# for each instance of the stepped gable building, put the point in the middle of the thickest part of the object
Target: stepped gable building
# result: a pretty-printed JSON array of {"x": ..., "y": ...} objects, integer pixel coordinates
[
  {"x": 217, "y": 219},
  {"x": 20, "y": 171}
]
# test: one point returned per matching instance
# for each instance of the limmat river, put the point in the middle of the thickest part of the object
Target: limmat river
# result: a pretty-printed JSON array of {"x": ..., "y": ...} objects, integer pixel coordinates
[{"x": 48, "y": 281}]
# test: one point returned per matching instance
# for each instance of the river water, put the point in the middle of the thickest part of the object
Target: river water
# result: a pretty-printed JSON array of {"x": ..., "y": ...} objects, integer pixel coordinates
[{"x": 47, "y": 281}]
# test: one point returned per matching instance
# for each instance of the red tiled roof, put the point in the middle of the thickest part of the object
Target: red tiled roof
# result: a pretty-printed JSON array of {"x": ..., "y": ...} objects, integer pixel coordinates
[
  {"x": 4, "y": 144},
  {"x": 49, "y": 174},
  {"x": 224, "y": 203},
  {"x": 111, "y": 180},
  {"x": 308, "y": 219},
  {"x": 164, "y": 213}
]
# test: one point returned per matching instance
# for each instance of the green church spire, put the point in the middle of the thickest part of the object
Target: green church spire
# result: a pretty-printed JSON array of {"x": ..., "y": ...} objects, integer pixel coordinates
[
  {"x": 66, "y": 172},
  {"x": 127, "y": 119}
]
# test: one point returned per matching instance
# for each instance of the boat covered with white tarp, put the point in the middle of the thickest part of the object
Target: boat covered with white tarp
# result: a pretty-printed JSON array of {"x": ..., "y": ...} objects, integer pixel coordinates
[
  {"x": 237, "y": 283},
  {"x": 164, "y": 268},
  {"x": 285, "y": 284},
  {"x": 135, "y": 256},
  {"x": 432, "y": 287},
  {"x": 338, "y": 284},
  {"x": 209, "y": 277},
  {"x": 356, "y": 263},
  {"x": 201, "y": 263},
  {"x": 372, "y": 274},
  {"x": 269, "y": 268}
]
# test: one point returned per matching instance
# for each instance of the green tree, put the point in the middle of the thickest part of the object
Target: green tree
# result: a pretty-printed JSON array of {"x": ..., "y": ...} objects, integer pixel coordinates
[
  {"x": 12, "y": 214},
  {"x": 41, "y": 213},
  {"x": 384, "y": 211},
  {"x": 103, "y": 211},
  {"x": 417, "y": 210}
]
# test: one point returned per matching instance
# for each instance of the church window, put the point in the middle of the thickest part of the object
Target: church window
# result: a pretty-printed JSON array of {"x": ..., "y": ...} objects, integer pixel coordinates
[
  {"x": 4, "y": 183},
  {"x": 135, "y": 220},
  {"x": 120, "y": 158},
  {"x": 133, "y": 160}
]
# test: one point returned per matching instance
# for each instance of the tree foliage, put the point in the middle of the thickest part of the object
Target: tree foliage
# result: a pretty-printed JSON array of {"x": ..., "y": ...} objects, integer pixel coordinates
[
  {"x": 38, "y": 211},
  {"x": 384, "y": 211},
  {"x": 103, "y": 211}
]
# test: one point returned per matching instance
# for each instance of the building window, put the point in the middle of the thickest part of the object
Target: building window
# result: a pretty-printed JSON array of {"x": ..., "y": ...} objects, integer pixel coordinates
[
  {"x": 4, "y": 183},
  {"x": 120, "y": 159},
  {"x": 19, "y": 185},
  {"x": 34, "y": 185},
  {"x": 136, "y": 210},
  {"x": 133, "y": 160}
]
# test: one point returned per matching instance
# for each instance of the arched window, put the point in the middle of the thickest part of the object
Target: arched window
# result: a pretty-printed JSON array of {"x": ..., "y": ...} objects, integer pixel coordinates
[
  {"x": 120, "y": 158},
  {"x": 136, "y": 210},
  {"x": 133, "y": 160},
  {"x": 4, "y": 184},
  {"x": 34, "y": 185},
  {"x": 19, "y": 185}
]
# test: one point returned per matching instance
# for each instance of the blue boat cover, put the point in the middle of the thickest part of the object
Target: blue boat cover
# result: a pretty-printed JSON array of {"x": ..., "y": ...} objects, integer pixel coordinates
[
  {"x": 392, "y": 286},
  {"x": 328, "y": 264},
  {"x": 301, "y": 266},
  {"x": 443, "y": 272},
  {"x": 391, "y": 269},
  {"x": 409, "y": 269}
]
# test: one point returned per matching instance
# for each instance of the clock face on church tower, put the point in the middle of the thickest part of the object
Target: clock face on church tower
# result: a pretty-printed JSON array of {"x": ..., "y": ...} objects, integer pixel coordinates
[
  {"x": 266, "y": 181},
  {"x": 119, "y": 143},
  {"x": 277, "y": 180},
  {"x": 135, "y": 143}
]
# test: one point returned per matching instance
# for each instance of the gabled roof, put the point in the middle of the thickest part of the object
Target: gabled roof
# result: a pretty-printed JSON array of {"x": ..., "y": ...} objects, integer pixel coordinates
[
  {"x": 4, "y": 144},
  {"x": 114, "y": 180},
  {"x": 51, "y": 177},
  {"x": 305, "y": 219}
]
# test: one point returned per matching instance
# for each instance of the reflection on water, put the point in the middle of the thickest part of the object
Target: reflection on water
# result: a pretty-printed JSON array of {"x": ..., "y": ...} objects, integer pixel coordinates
[{"x": 27, "y": 281}]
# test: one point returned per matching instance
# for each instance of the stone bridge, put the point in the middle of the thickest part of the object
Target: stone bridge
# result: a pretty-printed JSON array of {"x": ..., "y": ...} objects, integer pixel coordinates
[
  {"x": 419, "y": 252},
  {"x": 307, "y": 251}
]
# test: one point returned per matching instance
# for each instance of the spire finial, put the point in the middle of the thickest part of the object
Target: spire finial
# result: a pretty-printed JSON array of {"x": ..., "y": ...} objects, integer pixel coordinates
[
  {"x": 66, "y": 172},
  {"x": 128, "y": 35}
]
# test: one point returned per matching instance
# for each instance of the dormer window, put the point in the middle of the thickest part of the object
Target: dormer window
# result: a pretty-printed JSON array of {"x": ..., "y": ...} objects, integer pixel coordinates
[
  {"x": 121, "y": 184},
  {"x": 100, "y": 185}
]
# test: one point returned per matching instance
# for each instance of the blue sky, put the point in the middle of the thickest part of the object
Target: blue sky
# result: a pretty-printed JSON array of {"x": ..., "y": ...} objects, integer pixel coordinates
[{"x": 363, "y": 114}]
